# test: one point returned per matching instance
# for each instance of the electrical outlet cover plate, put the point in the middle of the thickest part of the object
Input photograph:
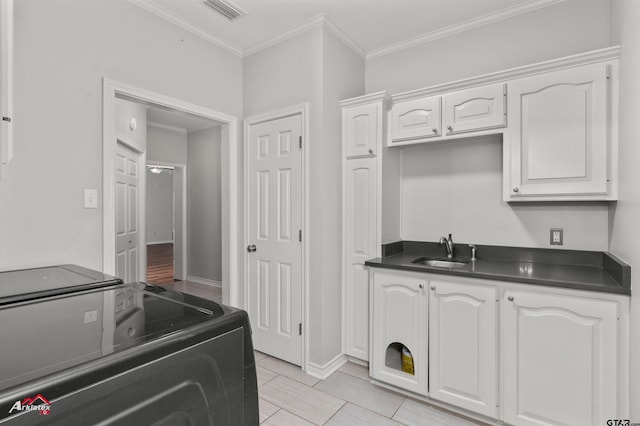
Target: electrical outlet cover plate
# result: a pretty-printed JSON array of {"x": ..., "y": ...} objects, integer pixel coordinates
[{"x": 556, "y": 237}]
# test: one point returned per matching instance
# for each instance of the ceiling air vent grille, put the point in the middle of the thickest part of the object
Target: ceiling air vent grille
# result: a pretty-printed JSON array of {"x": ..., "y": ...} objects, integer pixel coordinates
[{"x": 226, "y": 8}]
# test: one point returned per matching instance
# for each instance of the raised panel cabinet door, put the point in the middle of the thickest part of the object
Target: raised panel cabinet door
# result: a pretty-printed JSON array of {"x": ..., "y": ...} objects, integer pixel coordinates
[
  {"x": 475, "y": 109},
  {"x": 462, "y": 345},
  {"x": 558, "y": 138},
  {"x": 416, "y": 119},
  {"x": 362, "y": 129},
  {"x": 560, "y": 359},
  {"x": 361, "y": 237},
  {"x": 399, "y": 319}
]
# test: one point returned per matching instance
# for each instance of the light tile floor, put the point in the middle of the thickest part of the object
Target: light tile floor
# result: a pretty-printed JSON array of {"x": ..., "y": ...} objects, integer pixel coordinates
[
  {"x": 201, "y": 290},
  {"x": 289, "y": 397}
]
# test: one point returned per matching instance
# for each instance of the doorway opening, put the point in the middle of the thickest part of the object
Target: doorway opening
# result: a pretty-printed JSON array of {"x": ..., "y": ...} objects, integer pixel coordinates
[{"x": 210, "y": 140}]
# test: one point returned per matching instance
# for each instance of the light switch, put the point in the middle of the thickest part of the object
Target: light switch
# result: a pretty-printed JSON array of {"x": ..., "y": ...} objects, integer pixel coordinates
[
  {"x": 90, "y": 316},
  {"x": 90, "y": 198}
]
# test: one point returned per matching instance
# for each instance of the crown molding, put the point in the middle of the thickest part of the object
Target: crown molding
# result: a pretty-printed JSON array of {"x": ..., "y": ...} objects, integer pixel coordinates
[
  {"x": 163, "y": 13},
  {"x": 366, "y": 99},
  {"x": 462, "y": 27},
  {"x": 342, "y": 36},
  {"x": 600, "y": 55},
  {"x": 316, "y": 22}
]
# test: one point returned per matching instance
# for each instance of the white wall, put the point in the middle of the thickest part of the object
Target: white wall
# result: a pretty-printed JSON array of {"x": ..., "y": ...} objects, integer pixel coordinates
[
  {"x": 569, "y": 27},
  {"x": 63, "y": 50},
  {"x": 317, "y": 68},
  {"x": 166, "y": 145},
  {"x": 204, "y": 204},
  {"x": 625, "y": 238},
  {"x": 159, "y": 207},
  {"x": 456, "y": 187}
]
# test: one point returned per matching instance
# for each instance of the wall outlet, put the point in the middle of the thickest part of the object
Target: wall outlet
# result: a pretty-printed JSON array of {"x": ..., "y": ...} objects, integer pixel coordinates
[{"x": 556, "y": 237}]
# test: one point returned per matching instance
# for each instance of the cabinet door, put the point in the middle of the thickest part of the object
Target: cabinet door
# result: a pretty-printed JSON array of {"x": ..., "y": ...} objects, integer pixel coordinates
[
  {"x": 399, "y": 318},
  {"x": 557, "y": 138},
  {"x": 462, "y": 345},
  {"x": 6, "y": 81},
  {"x": 362, "y": 129},
  {"x": 560, "y": 359},
  {"x": 475, "y": 109},
  {"x": 416, "y": 119},
  {"x": 360, "y": 233}
]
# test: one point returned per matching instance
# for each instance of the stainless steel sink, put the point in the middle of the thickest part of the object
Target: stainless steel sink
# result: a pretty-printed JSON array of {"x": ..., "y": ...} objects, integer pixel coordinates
[{"x": 439, "y": 263}]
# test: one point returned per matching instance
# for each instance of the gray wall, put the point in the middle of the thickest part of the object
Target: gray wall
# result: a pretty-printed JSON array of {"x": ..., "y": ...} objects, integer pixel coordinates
[
  {"x": 623, "y": 217},
  {"x": 166, "y": 145},
  {"x": 159, "y": 207},
  {"x": 317, "y": 68},
  {"x": 63, "y": 50},
  {"x": 204, "y": 204},
  {"x": 456, "y": 187}
]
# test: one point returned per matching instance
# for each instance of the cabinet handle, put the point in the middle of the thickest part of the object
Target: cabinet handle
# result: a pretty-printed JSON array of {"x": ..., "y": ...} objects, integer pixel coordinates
[
  {"x": 516, "y": 189},
  {"x": 251, "y": 248},
  {"x": 435, "y": 130},
  {"x": 421, "y": 286},
  {"x": 433, "y": 287},
  {"x": 370, "y": 151},
  {"x": 510, "y": 298},
  {"x": 450, "y": 128}
]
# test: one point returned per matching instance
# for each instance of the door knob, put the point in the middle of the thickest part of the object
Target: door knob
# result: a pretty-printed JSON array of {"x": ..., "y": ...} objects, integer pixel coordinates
[{"x": 251, "y": 248}]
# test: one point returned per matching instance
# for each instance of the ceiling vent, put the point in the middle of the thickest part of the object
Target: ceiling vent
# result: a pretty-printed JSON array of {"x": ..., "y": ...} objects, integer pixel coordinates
[{"x": 226, "y": 8}]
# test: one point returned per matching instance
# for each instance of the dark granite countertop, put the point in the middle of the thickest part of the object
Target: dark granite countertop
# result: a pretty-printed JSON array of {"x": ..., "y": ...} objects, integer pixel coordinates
[{"x": 583, "y": 270}]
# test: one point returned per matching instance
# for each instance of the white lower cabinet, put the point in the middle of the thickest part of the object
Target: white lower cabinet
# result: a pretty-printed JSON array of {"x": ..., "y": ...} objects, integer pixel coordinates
[
  {"x": 399, "y": 319},
  {"x": 525, "y": 355},
  {"x": 560, "y": 359},
  {"x": 463, "y": 335}
]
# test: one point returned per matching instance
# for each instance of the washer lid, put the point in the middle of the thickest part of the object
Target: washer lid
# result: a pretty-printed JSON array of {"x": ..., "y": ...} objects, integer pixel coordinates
[{"x": 34, "y": 283}]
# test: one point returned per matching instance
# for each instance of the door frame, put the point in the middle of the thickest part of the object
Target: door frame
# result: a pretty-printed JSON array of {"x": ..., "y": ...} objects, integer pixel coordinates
[
  {"x": 230, "y": 258},
  {"x": 182, "y": 205},
  {"x": 303, "y": 111}
]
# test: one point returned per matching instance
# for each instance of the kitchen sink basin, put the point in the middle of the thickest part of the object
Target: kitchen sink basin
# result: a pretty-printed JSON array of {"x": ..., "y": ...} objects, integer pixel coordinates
[{"x": 439, "y": 263}]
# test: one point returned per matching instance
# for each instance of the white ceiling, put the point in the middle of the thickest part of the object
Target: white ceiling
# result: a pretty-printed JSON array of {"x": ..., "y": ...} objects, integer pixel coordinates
[
  {"x": 373, "y": 27},
  {"x": 177, "y": 120}
]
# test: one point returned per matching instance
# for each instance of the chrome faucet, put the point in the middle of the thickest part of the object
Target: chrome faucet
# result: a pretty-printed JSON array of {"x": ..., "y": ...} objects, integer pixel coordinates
[{"x": 448, "y": 244}]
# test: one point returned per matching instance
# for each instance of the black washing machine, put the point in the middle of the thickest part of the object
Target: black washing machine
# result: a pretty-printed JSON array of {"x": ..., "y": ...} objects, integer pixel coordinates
[{"x": 78, "y": 347}]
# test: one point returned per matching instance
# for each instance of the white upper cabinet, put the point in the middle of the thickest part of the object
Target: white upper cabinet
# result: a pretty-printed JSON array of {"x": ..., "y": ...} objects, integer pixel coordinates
[
  {"x": 557, "y": 146},
  {"x": 421, "y": 119},
  {"x": 416, "y": 119},
  {"x": 560, "y": 360},
  {"x": 362, "y": 129},
  {"x": 6, "y": 80},
  {"x": 475, "y": 109},
  {"x": 463, "y": 336}
]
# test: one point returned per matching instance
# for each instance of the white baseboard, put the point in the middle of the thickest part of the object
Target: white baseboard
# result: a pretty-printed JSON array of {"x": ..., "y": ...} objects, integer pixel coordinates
[
  {"x": 159, "y": 242},
  {"x": 323, "y": 371},
  {"x": 204, "y": 281}
]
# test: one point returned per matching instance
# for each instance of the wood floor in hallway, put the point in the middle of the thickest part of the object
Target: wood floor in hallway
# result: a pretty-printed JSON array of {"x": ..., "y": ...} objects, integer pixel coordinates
[{"x": 160, "y": 263}]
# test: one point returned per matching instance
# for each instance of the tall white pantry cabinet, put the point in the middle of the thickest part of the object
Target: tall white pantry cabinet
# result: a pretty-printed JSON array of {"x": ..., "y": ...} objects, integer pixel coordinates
[{"x": 371, "y": 173}]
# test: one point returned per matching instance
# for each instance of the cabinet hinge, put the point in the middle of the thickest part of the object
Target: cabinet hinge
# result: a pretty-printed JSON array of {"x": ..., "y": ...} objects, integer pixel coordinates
[
  {"x": 300, "y": 235},
  {"x": 300, "y": 141},
  {"x": 7, "y": 119},
  {"x": 300, "y": 329}
]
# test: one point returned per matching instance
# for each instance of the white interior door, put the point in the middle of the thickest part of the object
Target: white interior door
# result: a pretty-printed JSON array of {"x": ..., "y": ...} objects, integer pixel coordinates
[
  {"x": 274, "y": 287},
  {"x": 127, "y": 197}
]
